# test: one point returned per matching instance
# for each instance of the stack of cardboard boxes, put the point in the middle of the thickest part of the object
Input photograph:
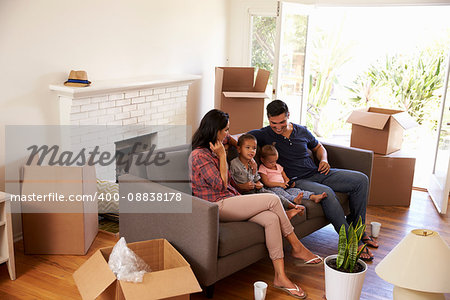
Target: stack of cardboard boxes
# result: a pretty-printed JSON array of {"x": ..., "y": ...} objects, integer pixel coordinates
[{"x": 381, "y": 130}]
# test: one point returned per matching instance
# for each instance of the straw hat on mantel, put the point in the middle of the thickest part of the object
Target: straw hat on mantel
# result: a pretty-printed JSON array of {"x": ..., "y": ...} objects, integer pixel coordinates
[{"x": 77, "y": 78}]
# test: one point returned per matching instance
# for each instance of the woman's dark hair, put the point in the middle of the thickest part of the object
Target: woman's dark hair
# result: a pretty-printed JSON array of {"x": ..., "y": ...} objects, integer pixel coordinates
[
  {"x": 276, "y": 108},
  {"x": 211, "y": 123}
]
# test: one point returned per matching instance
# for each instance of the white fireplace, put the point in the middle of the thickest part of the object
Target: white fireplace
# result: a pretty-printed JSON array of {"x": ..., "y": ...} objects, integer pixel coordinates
[{"x": 124, "y": 109}]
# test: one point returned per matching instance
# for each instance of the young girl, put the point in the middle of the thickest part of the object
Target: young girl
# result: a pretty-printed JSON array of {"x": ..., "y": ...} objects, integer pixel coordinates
[
  {"x": 274, "y": 178},
  {"x": 243, "y": 170}
]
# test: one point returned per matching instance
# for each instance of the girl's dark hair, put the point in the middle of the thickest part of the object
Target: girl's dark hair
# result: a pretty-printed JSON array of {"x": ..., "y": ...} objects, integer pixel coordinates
[
  {"x": 245, "y": 137},
  {"x": 211, "y": 123},
  {"x": 268, "y": 150},
  {"x": 276, "y": 108}
]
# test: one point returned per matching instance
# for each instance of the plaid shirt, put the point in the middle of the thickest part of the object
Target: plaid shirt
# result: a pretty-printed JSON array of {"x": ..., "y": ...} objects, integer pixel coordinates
[{"x": 205, "y": 177}]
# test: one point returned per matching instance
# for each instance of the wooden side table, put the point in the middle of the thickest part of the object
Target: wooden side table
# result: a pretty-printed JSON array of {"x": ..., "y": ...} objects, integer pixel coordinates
[{"x": 6, "y": 236}]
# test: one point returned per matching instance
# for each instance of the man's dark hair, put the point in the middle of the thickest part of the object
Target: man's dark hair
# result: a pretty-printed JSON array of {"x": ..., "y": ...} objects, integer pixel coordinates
[
  {"x": 276, "y": 108},
  {"x": 245, "y": 137}
]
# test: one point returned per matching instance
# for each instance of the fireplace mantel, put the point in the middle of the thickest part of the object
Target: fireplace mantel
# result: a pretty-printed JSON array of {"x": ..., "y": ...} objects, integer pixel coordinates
[
  {"x": 103, "y": 87},
  {"x": 129, "y": 108}
]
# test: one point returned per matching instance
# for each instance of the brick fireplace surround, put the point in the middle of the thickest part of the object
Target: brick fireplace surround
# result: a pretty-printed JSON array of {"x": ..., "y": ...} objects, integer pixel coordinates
[{"x": 124, "y": 109}]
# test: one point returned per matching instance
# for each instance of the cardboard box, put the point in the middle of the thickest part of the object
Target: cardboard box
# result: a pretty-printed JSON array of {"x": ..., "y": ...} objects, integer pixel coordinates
[
  {"x": 378, "y": 129},
  {"x": 59, "y": 227},
  {"x": 392, "y": 179},
  {"x": 242, "y": 96},
  {"x": 171, "y": 276}
]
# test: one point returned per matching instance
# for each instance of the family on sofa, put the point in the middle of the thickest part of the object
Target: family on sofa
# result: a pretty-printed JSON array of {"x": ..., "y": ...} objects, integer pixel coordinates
[
  {"x": 211, "y": 181},
  {"x": 216, "y": 247}
]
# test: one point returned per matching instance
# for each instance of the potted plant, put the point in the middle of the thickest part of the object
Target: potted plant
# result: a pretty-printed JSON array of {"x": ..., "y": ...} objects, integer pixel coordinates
[{"x": 345, "y": 272}]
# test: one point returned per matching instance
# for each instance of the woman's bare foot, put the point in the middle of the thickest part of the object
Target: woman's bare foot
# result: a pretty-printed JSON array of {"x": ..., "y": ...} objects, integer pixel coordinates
[
  {"x": 287, "y": 283},
  {"x": 318, "y": 198},
  {"x": 297, "y": 210},
  {"x": 298, "y": 199}
]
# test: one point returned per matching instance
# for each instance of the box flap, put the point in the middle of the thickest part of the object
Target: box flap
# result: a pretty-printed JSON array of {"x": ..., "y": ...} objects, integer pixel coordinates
[
  {"x": 238, "y": 79},
  {"x": 162, "y": 284},
  {"x": 368, "y": 119},
  {"x": 218, "y": 87},
  {"x": 261, "y": 80},
  {"x": 405, "y": 120},
  {"x": 94, "y": 276},
  {"x": 245, "y": 95}
]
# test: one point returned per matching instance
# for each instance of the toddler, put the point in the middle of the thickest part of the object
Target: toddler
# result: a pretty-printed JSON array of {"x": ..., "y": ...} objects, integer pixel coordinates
[
  {"x": 243, "y": 170},
  {"x": 274, "y": 178}
]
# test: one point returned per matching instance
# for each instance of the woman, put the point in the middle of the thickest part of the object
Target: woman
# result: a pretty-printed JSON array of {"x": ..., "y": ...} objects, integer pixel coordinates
[{"x": 211, "y": 181}]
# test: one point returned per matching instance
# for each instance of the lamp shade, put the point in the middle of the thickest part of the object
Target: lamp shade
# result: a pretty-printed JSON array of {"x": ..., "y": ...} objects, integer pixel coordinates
[{"x": 421, "y": 262}]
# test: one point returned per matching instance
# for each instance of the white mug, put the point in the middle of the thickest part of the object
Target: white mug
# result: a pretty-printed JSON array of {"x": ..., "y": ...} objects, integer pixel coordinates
[
  {"x": 260, "y": 290},
  {"x": 375, "y": 228}
]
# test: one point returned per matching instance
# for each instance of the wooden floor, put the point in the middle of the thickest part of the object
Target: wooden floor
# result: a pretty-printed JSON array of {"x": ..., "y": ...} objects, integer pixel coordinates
[{"x": 50, "y": 276}]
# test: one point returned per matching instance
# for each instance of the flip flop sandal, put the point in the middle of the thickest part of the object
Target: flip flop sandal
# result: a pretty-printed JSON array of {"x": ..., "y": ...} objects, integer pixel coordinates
[
  {"x": 366, "y": 251},
  {"x": 367, "y": 239},
  {"x": 289, "y": 291},
  {"x": 311, "y": 262}
]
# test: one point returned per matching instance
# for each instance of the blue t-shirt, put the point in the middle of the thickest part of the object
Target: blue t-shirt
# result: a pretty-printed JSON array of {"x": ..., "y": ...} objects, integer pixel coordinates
[{"x": 292, "y": 151}]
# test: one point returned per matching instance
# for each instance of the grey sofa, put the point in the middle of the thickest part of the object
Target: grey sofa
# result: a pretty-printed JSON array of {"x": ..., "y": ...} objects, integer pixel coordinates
[{"x": 216, "y": 249}]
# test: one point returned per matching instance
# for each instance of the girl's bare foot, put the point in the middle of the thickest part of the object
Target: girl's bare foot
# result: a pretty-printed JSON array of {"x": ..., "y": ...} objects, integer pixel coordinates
[
  {"x": 298, "y": 199},
  {"x": 291, "y": 213},
  {"x": 297, "y": 210},
  {"x": 318, "y": 198}
]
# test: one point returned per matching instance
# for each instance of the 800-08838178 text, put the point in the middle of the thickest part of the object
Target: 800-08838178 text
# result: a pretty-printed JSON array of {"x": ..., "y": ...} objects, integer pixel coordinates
[{"x": 150, "y": 197}]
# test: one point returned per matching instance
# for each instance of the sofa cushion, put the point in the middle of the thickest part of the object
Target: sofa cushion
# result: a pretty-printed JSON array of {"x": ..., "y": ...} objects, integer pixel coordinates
[
  {"x": 175, "y": 173},
  {"x": 235, "y": 236}
]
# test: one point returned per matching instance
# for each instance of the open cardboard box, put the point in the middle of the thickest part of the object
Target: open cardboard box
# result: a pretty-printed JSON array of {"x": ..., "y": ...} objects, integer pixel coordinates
[
  {"x": 242, "y": 96},
  {"x": 59, "y": 227},
  {"x": 171, "y": 276},
  {"x": 379, "y": 129}
]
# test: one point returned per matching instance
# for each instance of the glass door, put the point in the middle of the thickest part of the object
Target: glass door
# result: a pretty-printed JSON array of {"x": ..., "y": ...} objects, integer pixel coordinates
[
  {"x": 439, "y": 183},
  {"x": 292, "y": 28}
]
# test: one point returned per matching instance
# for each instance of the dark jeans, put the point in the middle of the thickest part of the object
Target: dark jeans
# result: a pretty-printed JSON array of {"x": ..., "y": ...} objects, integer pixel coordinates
[{"x": 356, "y": 184}]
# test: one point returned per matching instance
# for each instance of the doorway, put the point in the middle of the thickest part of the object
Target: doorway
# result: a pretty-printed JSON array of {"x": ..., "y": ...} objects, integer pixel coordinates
[{"x": 344, "y": 58}]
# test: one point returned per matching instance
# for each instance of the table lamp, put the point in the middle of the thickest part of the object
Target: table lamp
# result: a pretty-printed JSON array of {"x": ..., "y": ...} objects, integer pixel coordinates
[{"x": 418, "y": 267}]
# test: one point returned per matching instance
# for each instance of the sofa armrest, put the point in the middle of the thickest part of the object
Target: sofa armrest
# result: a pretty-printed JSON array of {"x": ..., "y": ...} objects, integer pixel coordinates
[
  {"x": 343, "y": 157},
  {"x": 195, "y": 235}
]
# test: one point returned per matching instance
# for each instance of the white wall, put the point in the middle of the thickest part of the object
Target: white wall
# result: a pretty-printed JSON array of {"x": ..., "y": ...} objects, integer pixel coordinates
[{"x": 41, "y": 41}]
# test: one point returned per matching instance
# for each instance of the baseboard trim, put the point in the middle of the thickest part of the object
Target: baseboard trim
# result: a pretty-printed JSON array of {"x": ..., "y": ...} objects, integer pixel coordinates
[
  {"x": 420, "y": 189},
  {"x": 17, "y": 237}
]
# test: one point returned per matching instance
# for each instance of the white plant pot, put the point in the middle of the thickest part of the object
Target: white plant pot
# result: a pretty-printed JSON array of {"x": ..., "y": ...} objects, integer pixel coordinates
[{"x": 341, "y": 285}]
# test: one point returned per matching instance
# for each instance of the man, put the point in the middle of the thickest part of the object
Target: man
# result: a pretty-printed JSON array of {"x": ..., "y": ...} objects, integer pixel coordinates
[{"x": 292, "y": 142}]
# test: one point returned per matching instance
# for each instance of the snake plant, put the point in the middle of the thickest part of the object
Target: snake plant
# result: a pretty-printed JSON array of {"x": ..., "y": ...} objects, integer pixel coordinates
[{"x": 348, "y": 253}]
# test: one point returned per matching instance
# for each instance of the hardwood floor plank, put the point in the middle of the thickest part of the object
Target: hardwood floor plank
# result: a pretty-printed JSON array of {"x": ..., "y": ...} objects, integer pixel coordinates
[{"x": 50, "y": 276}]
